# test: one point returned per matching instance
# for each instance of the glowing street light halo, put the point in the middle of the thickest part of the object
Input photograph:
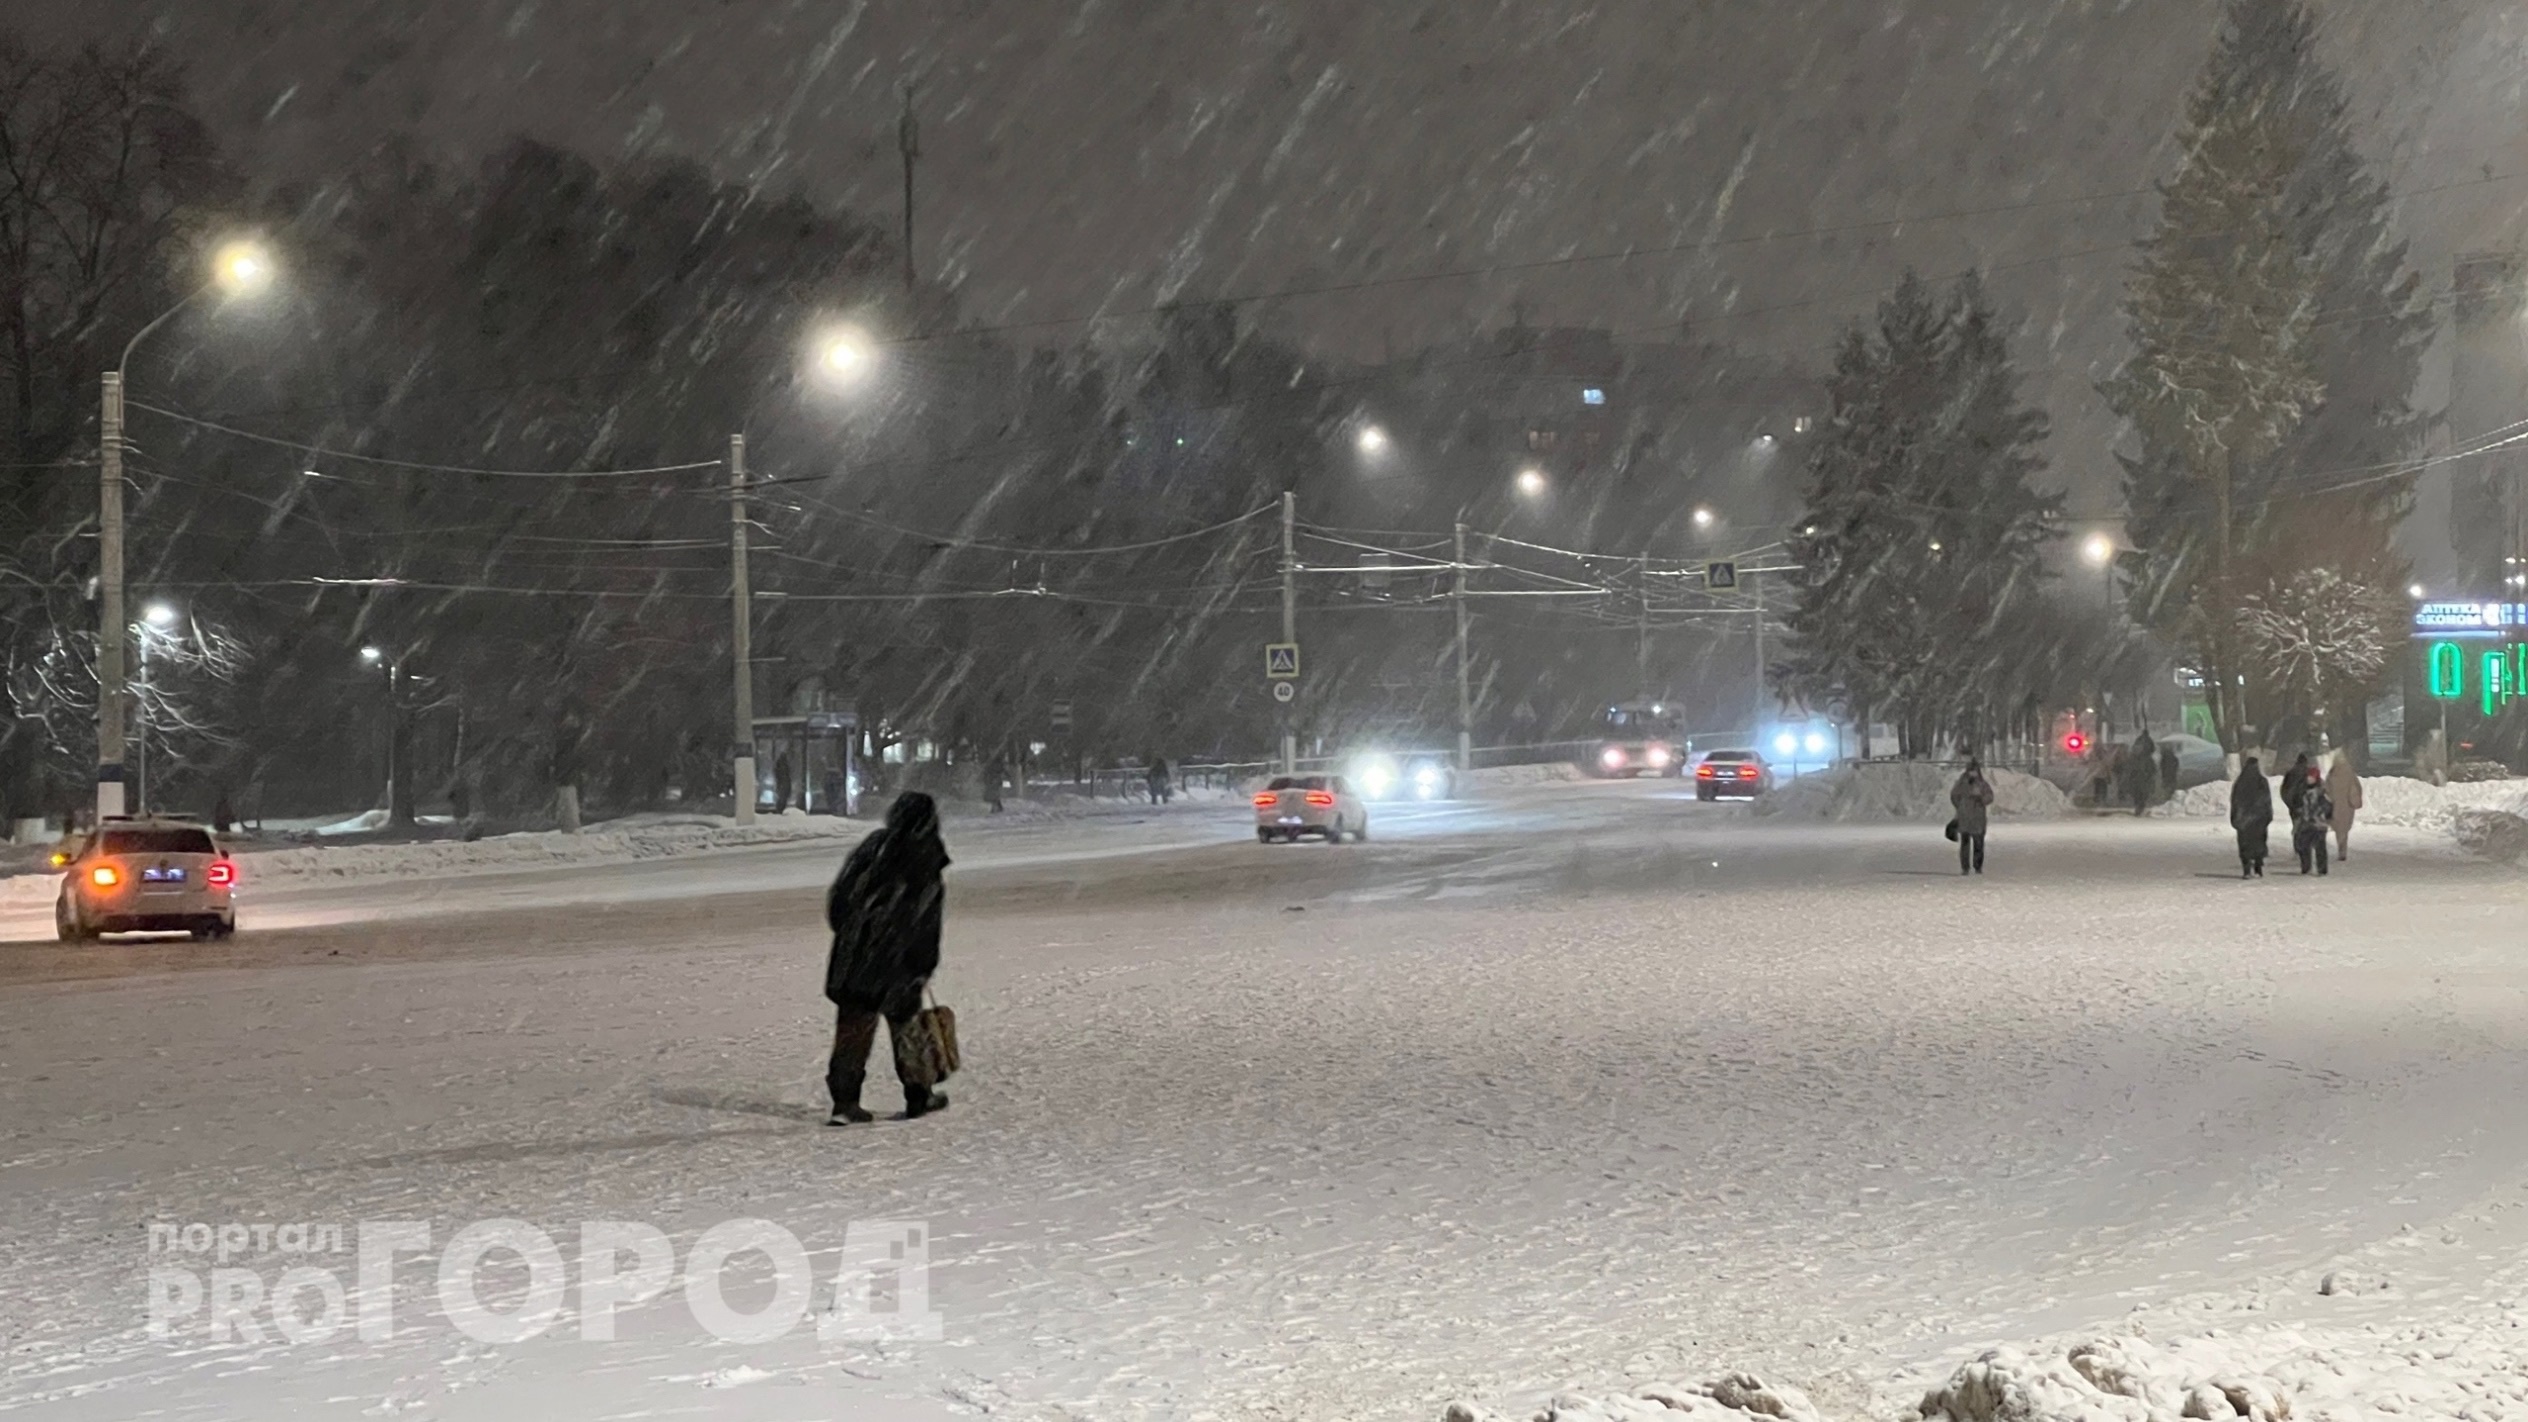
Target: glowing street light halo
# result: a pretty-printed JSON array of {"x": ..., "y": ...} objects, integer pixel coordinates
[{"x": 243, "y": 267}]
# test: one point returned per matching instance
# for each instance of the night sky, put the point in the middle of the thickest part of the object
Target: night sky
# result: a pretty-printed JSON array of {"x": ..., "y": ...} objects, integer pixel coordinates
[{"x": 1092, "y": 156}]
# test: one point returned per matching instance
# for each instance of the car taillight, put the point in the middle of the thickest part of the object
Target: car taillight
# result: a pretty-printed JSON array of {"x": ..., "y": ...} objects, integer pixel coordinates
[
  {"x": 222, "y": 875},
  {"x": 104, "y": 876},
  {"x": 1704, "y": 772},
  {"x": 1320, "y": 798},
  {"x": 1746, "y": 772},
  {"x": 1267, "y": 800}
]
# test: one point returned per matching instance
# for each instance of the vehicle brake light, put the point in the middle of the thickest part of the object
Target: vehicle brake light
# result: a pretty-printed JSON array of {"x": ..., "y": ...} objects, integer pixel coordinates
[
  {"x": 1746, "y": 772},
  {"x": 104, "y": 877},
  {"x": 1267, "y": 800},
  {"x": 1704, "y": 772},
  {"x": 222, "y": 875},
  {"x": 1321, "y": 798}
]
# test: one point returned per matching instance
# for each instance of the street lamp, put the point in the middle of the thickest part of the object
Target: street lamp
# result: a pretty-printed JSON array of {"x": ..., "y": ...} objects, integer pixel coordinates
[
  {"x": 2415, "y": 592},
  {"x": 2099, "y": 550},
  {"x": 239, "y": 268},
  {"x": 845, "y": 355},
  {"x": 1372, "y": 440},
  {"x": 1705, "y": 518},
  {"x": 155, "y": 620},
  {"x": 1531, "y": 482},
  {"x": 399, "y": 788}
]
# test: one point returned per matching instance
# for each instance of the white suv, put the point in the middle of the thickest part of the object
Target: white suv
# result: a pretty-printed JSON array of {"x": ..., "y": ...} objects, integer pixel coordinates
[{"x": 147, "y": 874}]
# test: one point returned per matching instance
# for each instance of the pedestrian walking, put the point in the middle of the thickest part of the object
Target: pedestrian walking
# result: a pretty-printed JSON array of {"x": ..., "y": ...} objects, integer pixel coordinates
[
  {"x": 2312, "y": 815},
  {"x": 2295, "y": 785},
  {"x": 2343, "y": 786},
  {"x": 781, "y": 783},
  {"x": 993, "y": 775},
  {"x": 2251, "y": 816},
  {"x": 885, "y": 909},
  {"x": 2168, "y": 769},
  {"x": 1972, "y": 797},
  {"x": 2142, "y": 774}
]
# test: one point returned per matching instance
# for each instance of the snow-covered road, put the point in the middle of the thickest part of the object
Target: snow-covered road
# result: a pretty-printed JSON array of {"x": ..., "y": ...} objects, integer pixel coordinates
[{"x": 1580, "y": 1085}]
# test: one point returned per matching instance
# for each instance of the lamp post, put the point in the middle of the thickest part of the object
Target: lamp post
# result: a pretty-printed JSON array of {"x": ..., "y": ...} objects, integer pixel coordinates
[
  {"x": 241, "y": 269},
  {"x": 399, "y": 750},
  {"x": 156, "y": 619}
]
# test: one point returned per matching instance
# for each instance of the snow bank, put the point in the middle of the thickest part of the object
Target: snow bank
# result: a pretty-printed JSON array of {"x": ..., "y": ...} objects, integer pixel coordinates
[
  {"x": 1906, "y": 791},
  {"x": 1559, "y": 772},
  {"x": 2264, "y": 1374},
  {"x": 2385, "y": 800},
  {"x": 622, "y": 841},
  {"x": 1738, "y": 1397}
]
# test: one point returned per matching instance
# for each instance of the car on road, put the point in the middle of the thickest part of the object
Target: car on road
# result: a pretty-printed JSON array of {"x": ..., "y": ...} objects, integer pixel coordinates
[
  {"x": 146, "y": 874},
  {"x": 1419, "y": 777},
  {"x": 1639, "y": 738},
  {"x": 1732, "y": 775},
  {"x": 1294, "y": 806}
]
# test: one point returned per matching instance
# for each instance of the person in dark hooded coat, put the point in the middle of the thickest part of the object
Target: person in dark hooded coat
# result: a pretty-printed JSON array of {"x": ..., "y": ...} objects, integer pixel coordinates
[
  {"x": 885, "y": 909},
  {"x": 2251, "y": 815}
]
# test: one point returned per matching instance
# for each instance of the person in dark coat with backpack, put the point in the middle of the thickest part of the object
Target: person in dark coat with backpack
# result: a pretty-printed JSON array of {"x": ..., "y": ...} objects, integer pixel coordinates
[
  {"x": 885, "y": 909},
  {"x": 2251, "y": 815},
  {"x": 1972, "y": 797},
  {"x": 2141, "y": 774},
  {"x": 2312, "y": 815}
]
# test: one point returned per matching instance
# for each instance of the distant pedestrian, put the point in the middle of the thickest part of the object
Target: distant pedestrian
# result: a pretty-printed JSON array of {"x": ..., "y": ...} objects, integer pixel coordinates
[
  {"x": 885, "y": 909},
  {"x": 2141, "y": 774},
  {"x": 2295, "y": 785},
  {"x": 1160, "y": 789},
  {"x": 2168, "y": 770},
  {"x": 993, "y": 775},
  {"x": 1972, "y": 798},
  {"x": 2251, "y": 816},
  {"x": 781, "y": 782},
  {"x": 2312, "y": 815},
  {"x": 223, "y": 814},
  {"x": 2343, "y": 786}
]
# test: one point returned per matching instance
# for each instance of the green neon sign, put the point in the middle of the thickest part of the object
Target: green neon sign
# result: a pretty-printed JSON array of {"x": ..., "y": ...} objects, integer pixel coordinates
[{"x": 2448, "y": 671}]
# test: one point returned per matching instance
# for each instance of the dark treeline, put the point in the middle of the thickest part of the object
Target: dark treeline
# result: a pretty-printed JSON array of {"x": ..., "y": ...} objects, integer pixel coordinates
[{"x": 949, "y": 546}]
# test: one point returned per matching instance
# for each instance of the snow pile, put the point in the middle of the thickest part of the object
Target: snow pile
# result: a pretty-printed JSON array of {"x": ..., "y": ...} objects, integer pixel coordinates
[
  {"x": 2112, "y": 1380},
  {"x": 1906, "y": 791},
  {"x": 1738, "y": 1397},
  {"x": 1558, "y": 772},
  {"x": 2385, "y": 800}
]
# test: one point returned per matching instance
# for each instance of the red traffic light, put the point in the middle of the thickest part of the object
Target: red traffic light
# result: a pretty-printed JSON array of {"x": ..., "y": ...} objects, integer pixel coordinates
[{"x": 2075, "y": 743}]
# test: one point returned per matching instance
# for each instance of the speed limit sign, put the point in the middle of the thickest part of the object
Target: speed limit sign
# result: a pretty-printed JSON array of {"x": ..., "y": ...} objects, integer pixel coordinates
[{"x": 1284, "y": 692}]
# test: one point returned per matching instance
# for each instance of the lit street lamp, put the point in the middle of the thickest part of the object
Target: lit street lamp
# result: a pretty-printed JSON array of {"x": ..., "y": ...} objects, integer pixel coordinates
[
  {"x": 1705, "y": 518},
  {"x": 155, "y": 619},
  {"x": 399, "y": 789},
  {"x": 240, "y": 268},
  {"x": 1372, "y": 440},
  {"x": 1531, "y": 483},
  {"x": 845, "y": 355}
]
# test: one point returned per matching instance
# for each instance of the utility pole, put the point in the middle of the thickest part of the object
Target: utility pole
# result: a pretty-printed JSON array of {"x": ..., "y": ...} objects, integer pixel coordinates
[
  {"x": 1290, "y": 618},
  {"x": 741, "y": 636},
  {"x": 401, "y": 792},
  {"x": 2233, "y": 736},
  {"x": 1465, "y": 686},
  {"x": 908, "y": 141},
  {"x": 113, "y": 695},
  {"x": 1641, "y": 628},
  {"x": 1755, "y": 726}
]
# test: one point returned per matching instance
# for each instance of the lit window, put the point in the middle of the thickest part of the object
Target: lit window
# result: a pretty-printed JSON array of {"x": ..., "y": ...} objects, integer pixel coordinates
[{"x": 1591, "y": 395}]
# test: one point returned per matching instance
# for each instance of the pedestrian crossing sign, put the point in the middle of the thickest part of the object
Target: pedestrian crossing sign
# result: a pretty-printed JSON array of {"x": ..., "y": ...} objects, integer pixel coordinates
[
  {"x": 1720, "y": 576},
  {"x": 1281, "y": 660}
]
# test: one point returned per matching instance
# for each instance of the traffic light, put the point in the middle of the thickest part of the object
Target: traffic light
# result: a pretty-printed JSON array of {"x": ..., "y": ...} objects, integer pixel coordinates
[{"x": 2075, "y": 743}]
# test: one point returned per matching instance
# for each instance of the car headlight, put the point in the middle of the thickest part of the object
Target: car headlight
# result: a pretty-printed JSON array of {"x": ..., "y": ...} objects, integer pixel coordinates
[
  {"x": 1614, "y": 757},
  {"x": 1377, "y": 779},
  {"x": 1659, "y": 757},
  {"x": 1426, "y": 780}
]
